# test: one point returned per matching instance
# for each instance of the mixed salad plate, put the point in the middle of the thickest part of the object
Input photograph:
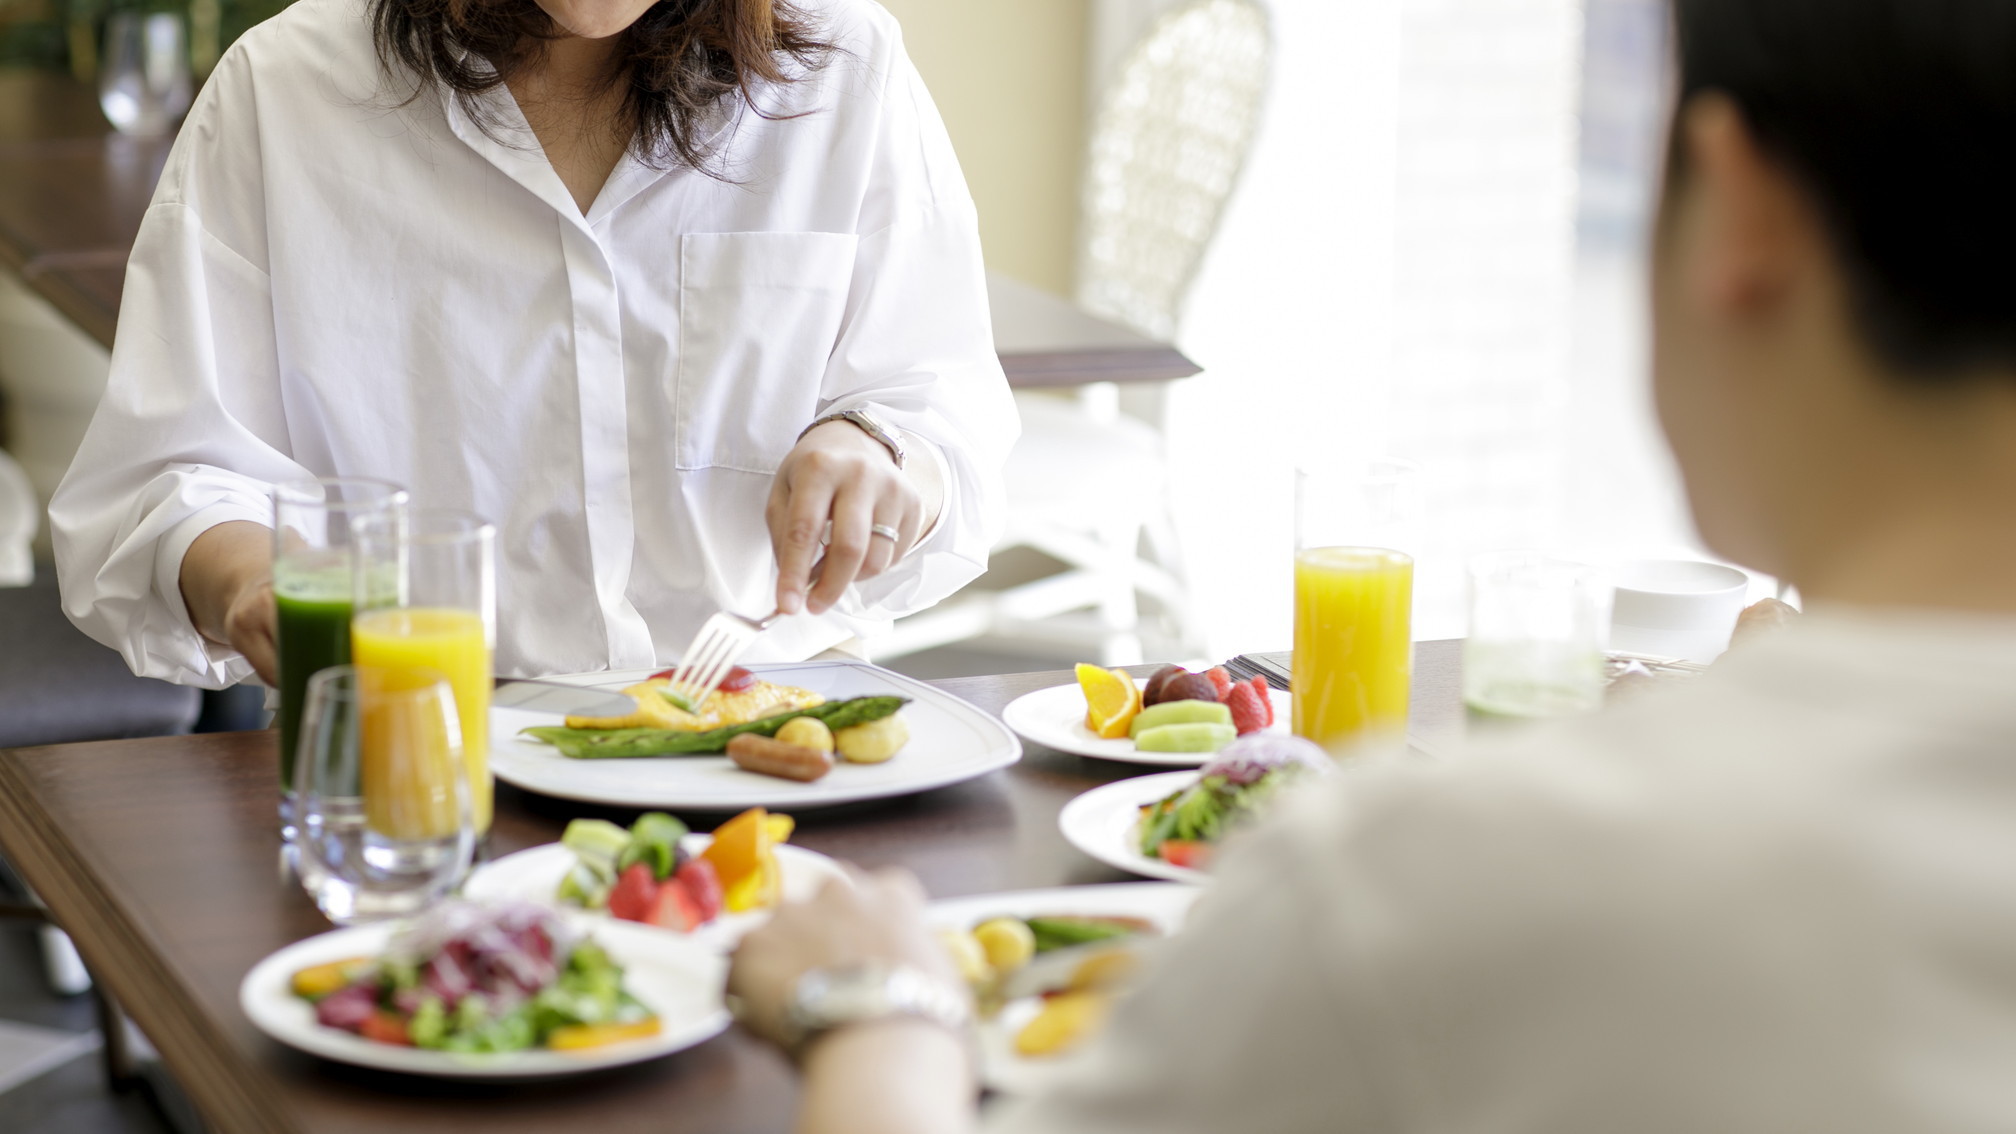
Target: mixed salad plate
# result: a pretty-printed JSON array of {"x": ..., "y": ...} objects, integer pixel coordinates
[
  {"x": 1031, "y": 1031},
  {"x": 489, "y": 991},
  {"x": 1169, "y": 825}
]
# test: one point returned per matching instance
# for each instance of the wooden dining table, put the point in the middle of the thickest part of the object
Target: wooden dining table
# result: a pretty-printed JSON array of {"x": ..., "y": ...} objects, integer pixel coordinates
[
  {"x": 161, "y": 859},
  {"x": 72, "y": 193}
]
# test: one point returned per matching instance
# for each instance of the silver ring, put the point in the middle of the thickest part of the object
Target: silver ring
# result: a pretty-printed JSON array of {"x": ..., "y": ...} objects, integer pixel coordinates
[{"x": 886, "y": 532}]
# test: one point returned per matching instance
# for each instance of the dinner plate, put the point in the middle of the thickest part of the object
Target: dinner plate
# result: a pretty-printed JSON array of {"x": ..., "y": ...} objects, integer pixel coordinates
[
  {"x": 534, "y": 875},
  {"x": 950, "y": 742},
  {"x": 679, "y": 980},
  {"x": 1162, "y": 903},
  {"x": 1055, "y": 718},
  {"x": 1101, "y": 823}
]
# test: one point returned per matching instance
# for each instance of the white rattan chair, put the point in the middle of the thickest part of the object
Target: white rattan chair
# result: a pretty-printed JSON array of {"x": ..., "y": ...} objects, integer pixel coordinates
[{"x": 1170, "y": 138}]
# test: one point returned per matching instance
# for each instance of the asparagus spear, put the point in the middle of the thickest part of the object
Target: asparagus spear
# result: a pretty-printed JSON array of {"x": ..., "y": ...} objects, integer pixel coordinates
[{"x": 631, "y": 743}]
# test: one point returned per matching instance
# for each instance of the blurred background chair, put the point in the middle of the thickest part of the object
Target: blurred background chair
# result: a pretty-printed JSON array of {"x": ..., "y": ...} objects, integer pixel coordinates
[{"x": 1088, "y": 482}]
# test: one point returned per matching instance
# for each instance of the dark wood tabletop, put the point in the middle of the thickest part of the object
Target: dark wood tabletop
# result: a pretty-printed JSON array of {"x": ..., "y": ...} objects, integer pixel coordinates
[
  {"x": 72, "y": 194},
  {"x": 160, "y": 858}
]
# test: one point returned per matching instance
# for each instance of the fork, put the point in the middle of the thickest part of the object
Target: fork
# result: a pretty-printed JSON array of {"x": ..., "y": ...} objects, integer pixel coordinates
[{"x": 721, "y": 642}]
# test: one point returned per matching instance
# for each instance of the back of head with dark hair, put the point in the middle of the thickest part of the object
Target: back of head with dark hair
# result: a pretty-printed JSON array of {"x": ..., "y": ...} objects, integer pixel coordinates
[{"x": 1899, "y": 118}]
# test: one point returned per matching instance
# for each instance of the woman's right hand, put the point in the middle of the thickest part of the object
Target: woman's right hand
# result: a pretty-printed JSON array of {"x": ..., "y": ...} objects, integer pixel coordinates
[{"x": 227, "y": 585}]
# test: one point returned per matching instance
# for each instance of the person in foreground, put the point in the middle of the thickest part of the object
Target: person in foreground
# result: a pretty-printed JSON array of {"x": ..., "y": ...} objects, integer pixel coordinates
[
  {"x": 667, "y": 291},
  {"x": 1776, "y": 899}
]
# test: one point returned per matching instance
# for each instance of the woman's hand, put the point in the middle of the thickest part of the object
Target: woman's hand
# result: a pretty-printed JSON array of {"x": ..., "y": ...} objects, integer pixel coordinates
[
  {"x": 839, "y": 475},
  {"x": 227, "y": 585},
  {"x": 877, "y": 918}
]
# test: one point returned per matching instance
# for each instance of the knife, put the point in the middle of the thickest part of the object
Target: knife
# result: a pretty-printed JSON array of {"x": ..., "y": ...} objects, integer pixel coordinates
[{"x": 561, "y": 700}]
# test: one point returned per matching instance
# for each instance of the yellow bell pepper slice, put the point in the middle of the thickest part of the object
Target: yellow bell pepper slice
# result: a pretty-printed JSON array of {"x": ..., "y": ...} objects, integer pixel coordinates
[{"x": 581, "y": 1037}]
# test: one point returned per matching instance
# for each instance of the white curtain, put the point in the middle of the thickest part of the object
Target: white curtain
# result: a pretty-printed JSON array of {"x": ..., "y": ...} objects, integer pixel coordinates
[{"x": 1395, "y": 276}]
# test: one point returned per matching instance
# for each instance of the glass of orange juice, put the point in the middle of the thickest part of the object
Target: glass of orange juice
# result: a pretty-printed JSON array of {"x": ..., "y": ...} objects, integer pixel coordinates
[
  {"x": 1354, "y": 601},
  {"x": 425, "y": 588},
  {"x": 385, "y": 826}
]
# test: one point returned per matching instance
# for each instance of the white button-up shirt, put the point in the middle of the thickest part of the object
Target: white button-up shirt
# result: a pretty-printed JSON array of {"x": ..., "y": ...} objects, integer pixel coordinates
[{"x": 329, "y": 282}]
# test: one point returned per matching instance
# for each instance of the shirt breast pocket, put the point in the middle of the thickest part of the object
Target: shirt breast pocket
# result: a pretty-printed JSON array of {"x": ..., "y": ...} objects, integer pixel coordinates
[{"x": 759, "y": 316}]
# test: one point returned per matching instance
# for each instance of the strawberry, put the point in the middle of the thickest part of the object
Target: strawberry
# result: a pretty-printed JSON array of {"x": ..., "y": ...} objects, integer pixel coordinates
[
  {"x": 1249, "y": 711},
  {"x": 1266, "y": 696},
  {"x": 634, "y": 892},
  {"x": 1220, "y": 679},
  {"x": 674, "y": 908},
  {"x": 703, "y": 886}
]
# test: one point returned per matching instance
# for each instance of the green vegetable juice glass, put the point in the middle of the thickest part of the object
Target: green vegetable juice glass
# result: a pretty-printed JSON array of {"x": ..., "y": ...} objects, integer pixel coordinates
[{"x": 312, "y": 593}]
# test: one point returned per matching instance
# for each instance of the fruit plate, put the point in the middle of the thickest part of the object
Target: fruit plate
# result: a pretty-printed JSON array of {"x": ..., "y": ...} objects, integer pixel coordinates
[
  {"x": 679, "y": 980},
  {"x": 1101, "y": 822},
  {"x": 950, "y": 742},
  {"x": 1055, "y": 718},
  {"x": 1163, "y": 903},
  {"x": 534, "y": 875}
]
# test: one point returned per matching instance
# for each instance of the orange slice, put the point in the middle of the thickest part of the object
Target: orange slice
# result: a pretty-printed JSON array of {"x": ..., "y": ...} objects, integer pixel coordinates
[{"x": 1111, "y": 700}]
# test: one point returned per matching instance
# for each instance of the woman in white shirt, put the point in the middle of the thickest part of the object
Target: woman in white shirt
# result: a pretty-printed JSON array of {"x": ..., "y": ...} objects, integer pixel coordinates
[{"x": 588, "y": 268}]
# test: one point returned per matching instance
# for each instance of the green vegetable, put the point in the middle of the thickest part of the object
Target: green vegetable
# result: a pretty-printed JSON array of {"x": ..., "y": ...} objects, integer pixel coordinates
[
  {"x": 633, "y": 743},
  {"x": 1064, "y": 932},
  {"x": 654, "y": 838},
  {"x": 429, "y": 1025},
  {"x": 585, "y": 886}
]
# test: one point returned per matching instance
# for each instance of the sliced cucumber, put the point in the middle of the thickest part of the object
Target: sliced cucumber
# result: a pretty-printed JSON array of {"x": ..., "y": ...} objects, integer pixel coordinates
[
  {"x": 1195, "y": 737},
  {"x": 1179, "y": 712}
]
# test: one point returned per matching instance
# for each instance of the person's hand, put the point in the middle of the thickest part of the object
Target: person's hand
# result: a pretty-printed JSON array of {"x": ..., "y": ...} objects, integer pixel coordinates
[
  {"x": 1761, "y": 619},
  {"x": 227, "y": 587},
  {"x": 250, "y": 627},
  {"x": 878, "y": 919},
  {"x": 838, "y": 475}
]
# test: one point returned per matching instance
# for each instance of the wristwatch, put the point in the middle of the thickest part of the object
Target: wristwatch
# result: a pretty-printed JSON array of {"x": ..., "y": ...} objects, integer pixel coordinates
[
  {"x": 827, "y": 999},
  {"x": 868, "y": 423}
]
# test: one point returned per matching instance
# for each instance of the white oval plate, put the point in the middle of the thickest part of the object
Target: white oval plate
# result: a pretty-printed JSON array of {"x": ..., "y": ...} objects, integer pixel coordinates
[
  {"x": 1001, "y": 1068},
  {"x": 1055, "y": 718},
  {"x": 950, "y": 742},
  {"x": 1101, "y": 823},
  {"x": 679, "y": 980},
  {"x": 534, "y": 875}
]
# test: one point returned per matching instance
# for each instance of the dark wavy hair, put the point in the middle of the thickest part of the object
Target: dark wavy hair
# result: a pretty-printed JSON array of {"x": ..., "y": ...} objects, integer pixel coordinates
[{"x": 677, "y": 63}]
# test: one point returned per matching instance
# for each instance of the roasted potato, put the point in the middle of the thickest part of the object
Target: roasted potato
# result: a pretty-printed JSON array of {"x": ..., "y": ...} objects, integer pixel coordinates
[
  {"x": 807, "y": 732},
  {"x": 873, "y": 742}
]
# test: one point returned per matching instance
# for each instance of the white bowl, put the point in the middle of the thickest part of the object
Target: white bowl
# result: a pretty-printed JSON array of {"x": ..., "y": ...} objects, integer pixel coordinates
[{"x": 1676, "y": 608}]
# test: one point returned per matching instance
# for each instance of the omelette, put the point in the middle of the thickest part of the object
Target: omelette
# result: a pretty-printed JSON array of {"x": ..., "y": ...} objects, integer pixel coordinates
[{"x": 719, "y": 710}]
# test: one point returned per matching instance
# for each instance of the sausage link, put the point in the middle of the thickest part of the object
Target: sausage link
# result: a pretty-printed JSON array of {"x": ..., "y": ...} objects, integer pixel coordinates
[{"x": 770, "y": 757}]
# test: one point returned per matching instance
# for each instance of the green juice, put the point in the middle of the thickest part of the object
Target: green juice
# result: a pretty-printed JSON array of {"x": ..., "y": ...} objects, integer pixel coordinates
[{"x": 314, "y": 634}]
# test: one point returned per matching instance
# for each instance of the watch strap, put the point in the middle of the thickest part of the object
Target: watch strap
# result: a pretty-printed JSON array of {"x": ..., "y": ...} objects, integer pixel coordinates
[{"x": 868, "y": 424}]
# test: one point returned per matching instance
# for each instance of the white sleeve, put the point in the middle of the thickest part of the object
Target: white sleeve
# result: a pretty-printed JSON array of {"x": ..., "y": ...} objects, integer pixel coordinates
[
  {"x": 190, "y": 434},
  {"x": 917, "y": 348}
]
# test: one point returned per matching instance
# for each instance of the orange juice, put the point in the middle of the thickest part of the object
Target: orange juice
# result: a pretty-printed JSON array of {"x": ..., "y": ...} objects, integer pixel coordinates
[
  {"x": 388, "y": 643},
  {"x": 1354, "y": 646},
  {"x": 407, "y": 755}
]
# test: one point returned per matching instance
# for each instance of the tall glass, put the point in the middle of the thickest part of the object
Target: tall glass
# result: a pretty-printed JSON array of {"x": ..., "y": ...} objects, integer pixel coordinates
[
  {"x": 1354, "y": 601},
  {"x": 1535, "y": 647},
  {"x": 311, "y": 592},
  {"x": 386, "y": 826},
  {"x": 144, "y": 84},
  {"x": 425, "y": 587}
]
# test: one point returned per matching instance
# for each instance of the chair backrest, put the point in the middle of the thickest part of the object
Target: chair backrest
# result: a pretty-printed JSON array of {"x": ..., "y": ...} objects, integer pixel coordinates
[
  {"x": 20, "y": 516},
  {"x": 1167, "y": 147}
]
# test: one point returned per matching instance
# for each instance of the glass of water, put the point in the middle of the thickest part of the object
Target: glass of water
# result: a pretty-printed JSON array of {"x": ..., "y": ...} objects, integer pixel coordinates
[
  {"x": 384, "y": 822},
  {"x": 1535, "y": 648},
  {"x": 144, "y": 84}
]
